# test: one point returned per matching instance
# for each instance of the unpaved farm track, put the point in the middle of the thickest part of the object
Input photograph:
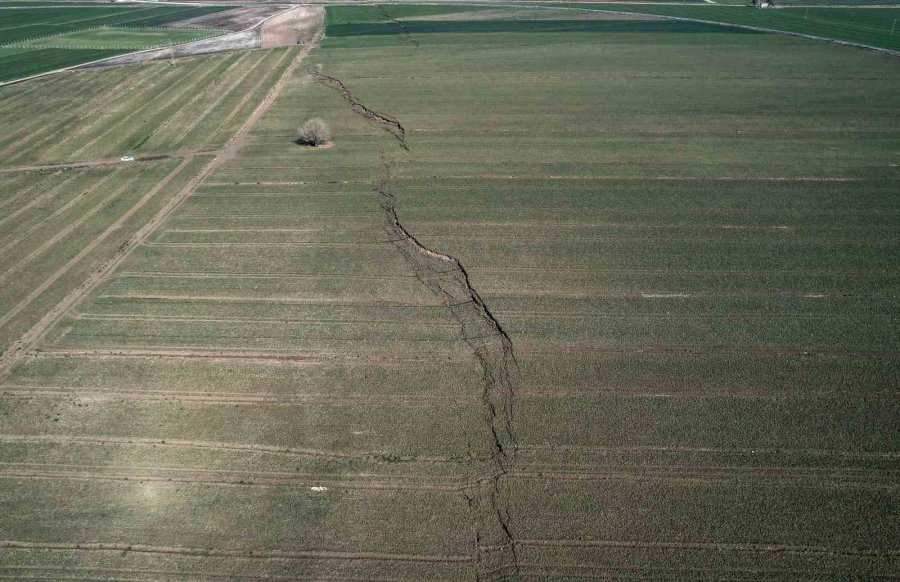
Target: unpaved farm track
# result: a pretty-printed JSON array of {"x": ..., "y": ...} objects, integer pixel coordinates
[{"x": 28, "y": 341}]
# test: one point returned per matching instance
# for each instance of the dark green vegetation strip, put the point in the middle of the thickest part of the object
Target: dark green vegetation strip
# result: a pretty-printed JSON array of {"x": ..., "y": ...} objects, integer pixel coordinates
[
  {"x": 871, "y": 26},
  {"x": 31, "y": 62},
  {"x": 498, "y": 26},
  {"x": 19, "y": 25}
]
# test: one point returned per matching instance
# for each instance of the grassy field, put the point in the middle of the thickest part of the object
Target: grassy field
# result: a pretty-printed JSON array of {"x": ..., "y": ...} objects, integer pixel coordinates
[
  {"x": 65, "y": 35},
  {"x": 682, "y": 233}
]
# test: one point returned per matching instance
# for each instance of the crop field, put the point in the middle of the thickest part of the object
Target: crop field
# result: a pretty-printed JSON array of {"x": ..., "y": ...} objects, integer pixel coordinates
[
  {"x": 874, "y": 26},
  {"x": 65, "y": 35},
  {"x": 184, "y": 106},
  {"x": 565, "y": 297},
  {"x": 130, "y": 38}
]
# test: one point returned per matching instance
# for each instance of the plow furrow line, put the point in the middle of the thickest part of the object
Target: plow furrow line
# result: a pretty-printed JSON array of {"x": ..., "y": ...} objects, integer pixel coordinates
[
  {"x": 714, "y": 450},
  {"x": 122, "y": 91},
  {"x": 59, "y": 211},
  {"x": 271, "y": 400},
  {"x": 49, "y": 193},
  {"x": 36, "y": 333},
  {"x": 249, "y": 94},
  {"x": 155, "y": 107},
  {"x": 717, "y": 547},
  {"x": 248, "y": 356},
  {"x": 151, "y": 318},
  {"x": 260, "y": 275},
  {"x": 788, "y": 351},
  {"x": 816, "y": 482},
  {"x": 202, "y": 245},
  {"x": 60, "y": 571},
  {"x": 227, "y": 397},
  {"x": 18, "y": 139},
  {"x": 233, "y": 553},
  {"x": 61, "y": 234},
  {"x": 593, "y": 178},
  {"x": 169, "y": 77},
  {"x": 35, "y": 185},
  {"x": 12, "y": 354},
  {"x": 278, "y": 300},
  {"x": 210, "y": 445},
  {"x": 249, "y": 480},
  {"x": 217, "y": 74},
  {"x": 212, "y": 106}
]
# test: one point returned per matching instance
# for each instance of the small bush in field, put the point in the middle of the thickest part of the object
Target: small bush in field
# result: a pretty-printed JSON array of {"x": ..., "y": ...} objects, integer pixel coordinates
[{"x": 314, "y": 132}]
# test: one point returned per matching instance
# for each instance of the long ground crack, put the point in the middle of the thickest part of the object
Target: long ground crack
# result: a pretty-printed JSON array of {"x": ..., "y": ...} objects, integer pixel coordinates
[
  {"x": 495, "y": 542},
  {"x": 401, "y": 24},
  {"x": 387, "y": 122}
]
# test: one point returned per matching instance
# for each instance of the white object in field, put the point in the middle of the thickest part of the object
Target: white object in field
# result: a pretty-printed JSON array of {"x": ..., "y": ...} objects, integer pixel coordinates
[
  {"x": 319, "y": 488},
  {"x": 126, "y": 159}
]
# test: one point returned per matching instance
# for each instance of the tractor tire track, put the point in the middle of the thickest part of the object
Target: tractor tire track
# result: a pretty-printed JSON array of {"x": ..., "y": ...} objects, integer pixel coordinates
[
  {"x": 241, "y": 480},
  {"x": 31, "y": 337},
  {"x": 217, "y": 446},
  {"x": 36, "y": 333},
  {"x": 58, "y": 212},
  {"x": 63, "y": 233},
  {"x": 215, "y": 552}
]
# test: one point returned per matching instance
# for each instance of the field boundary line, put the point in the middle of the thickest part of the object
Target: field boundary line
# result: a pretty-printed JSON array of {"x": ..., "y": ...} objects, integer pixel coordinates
[{"x": 36, "y": 333}]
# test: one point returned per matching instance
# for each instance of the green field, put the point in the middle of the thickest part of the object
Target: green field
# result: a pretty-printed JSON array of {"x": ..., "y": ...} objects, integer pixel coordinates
[
  {"x": 870, "y": 26},
  {"x": 108, "y": 38},
  {"x": 667, "y": 351},
  {"x": 65, "y": 35}
]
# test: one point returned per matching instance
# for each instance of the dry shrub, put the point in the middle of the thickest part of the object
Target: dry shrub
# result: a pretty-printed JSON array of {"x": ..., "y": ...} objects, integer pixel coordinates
[{"x": 314, "y": 132}]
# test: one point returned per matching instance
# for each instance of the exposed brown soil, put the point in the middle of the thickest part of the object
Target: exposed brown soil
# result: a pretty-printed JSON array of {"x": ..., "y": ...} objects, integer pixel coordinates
[
  {"x": 234, "y": 20},
  {"x": 298, "y": 25}
]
